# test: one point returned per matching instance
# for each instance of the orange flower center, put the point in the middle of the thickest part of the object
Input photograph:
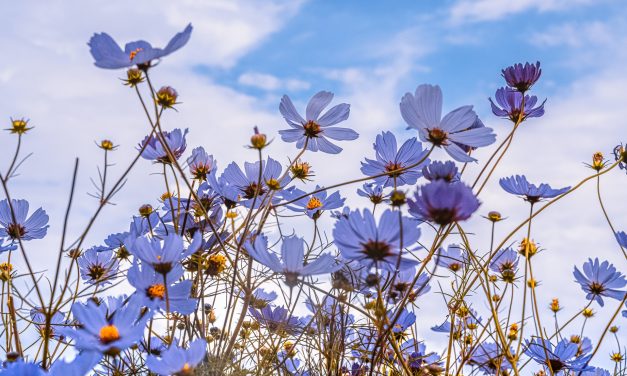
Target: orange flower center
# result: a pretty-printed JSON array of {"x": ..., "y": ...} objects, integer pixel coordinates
[
  {"x": 109, "y": 334},
  {"x": 156, "y": 291},
  {"x": 314, "y": 203}
]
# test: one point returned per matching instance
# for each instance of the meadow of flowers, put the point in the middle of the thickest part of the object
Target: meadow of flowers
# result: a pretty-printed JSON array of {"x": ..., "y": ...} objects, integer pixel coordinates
[{"x": 219, "y": 278}]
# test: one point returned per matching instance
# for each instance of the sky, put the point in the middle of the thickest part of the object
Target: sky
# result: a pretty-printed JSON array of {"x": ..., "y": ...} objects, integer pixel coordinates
[{"x": 244, "y": 55}]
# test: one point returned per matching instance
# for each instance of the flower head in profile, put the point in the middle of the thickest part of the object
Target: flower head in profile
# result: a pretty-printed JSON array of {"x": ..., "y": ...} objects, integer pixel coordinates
[
  {"x": 562, "y": 357},
  {"x": 490, "y": 359},
  {"x": 19, "y": 126},
  {"x": 151, "y": 286},
  {"x": 360, "y": 238},
  {"x": 315, "y": 129},
  {"x": 201, "y": 163},
  {"x": 177, "y": 360},
  {"x": 247, "y": 184},
  {"x": 621, "y": 237},
  {"x": 522, "y": 77},
  {"x": 620, "y": 155},
  {"x": 505, "y": 262},
  {"x": 164, "y": 255},
  {"x": 518, "y": 185},
  {"x": 15, "y": 223},
  {"x": 313, "y": 205},
  {"x": 423, "y": 111},
  {"x": 372, "y": 191},
  {"x": 599, "y": 280},
  {"x": 275, "y": 320},
  {"x": 260, "y": 297},
  {"x": 453, "y": 258},
  {"x": 443, "y": 203},
  {"x": 292, "y": 265},
  {"x": 108, "y": 54},
  {"x": 390, "y": 159},
  {"x": 510, "y": 105},
  {"x": 153, "y": 150},
  {"x": 437, "y": 170},
  {"x": 98, "y": 267}
]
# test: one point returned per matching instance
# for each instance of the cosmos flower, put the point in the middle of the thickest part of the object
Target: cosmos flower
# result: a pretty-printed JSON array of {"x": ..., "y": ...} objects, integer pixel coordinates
[
  {"x": 359, "y": 238},
  {"x": 315, "y": 129},
  {"x": 599, "y": 280},
  {"x": 107, "y": 327},
  {"x": 293, "y": 259},
  {"x": 33, "y": 227},
  {"x": 453, "y": 258},
  {"x": 390, "y": 158},
  {"x": 437, "y": 170},
  {"x": 522, "y": 77},
  {"x": 419, "y": 361},
  {"x": 6, "y": 247},
  {"x": 82, "y": 364},
  {"x": 313, "y": 205},
  {"x": 510, "y": 105},
  {"x": 98, "y": 267},
  {"x": 505, "y": 262},
  {"x": 518, "y": 185},
  {"x": 561, "y": 357},
  {"x": 403, "y": 282},
  {"x": 151, "y": 286},
  {"x": 443, "y": 203},
  {"x": 275, "y": 320},
  {"x": 201, "y": 163},
  {"x": 621, "y": 237},
  {"x": 406, "y": 319},
  {"x": 260, "y": 297},
  {"x": 57, "y": 320},
  {"x": 155, "y": 151},
  {"x": 620, "y": 155},
  {"x": 247, "y": 183},
  {"x": 163, "y": 256},
  {"x": 423, "y": 111},
  {"x": 466, "y": 318},
  {"x": 108, "y": 54},
  {"x": 177, "y": 360},
  {"x": 372, "y": 191},
  {"x": 490, "y": 359}
]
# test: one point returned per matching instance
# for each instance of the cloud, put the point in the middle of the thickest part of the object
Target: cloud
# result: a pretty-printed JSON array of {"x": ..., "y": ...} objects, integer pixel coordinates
[
  {"x": 464, "y": 11},
  {"x": 269, "y": 82}
]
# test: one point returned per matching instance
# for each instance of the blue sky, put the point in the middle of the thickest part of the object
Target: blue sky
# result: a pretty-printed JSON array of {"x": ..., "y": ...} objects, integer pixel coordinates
[{"x": 244, "y": 55}]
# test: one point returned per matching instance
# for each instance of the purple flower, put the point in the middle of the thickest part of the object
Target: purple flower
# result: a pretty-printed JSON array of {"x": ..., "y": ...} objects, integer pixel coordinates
[
  {"x": 599, "y": 280},
  {"x": 374, "y": 192},
  {"x": 315, "y": 129},
  {"x": 453, "y": 258},
  {"x": 247, "y": 182},
  {"x": 390, "y": 159},
  {"x": 98, "y": 267},
  {"x": 155, "y": 151},
  {"x": 150, "y": 286},
  {"x": 7, "y": 247},
  {"x": 275, "y": 320},
  {"x": 292, "y": 265},
  {"x": 505, "y": 262},
  {"x": 423, "y": 111},
  {"x": 177, "y": 360},
  {"x": 200, "y": 163},
  {"x": 518, "y": 185},
  {"x": 522, "y": 77},
  {"x": 443, "y": 203},
  {"x": 490, "y": 359},
  {"x": 437, "y": 170},
  {"x": 163, "y": 256},
  {"x": 359, "y": 238},
  {"x": 313, "y": 205},
  {"x": 562, "y": 357},
  {"x": 621, "y": 237},
  {"x": 510, "y": 105},
  {"x": 108, "y": 54},
  {"x": 20, "y": 227}
]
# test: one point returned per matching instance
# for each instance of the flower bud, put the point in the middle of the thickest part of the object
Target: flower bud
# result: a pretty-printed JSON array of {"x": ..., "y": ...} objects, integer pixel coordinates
[
  {"x": 258, "y": 140},
  {"x": 494, "y": 216},
  {"x": 301, "y": 170},
  {"x": 106, "y": 145},
  {"x": 145, "y": 210},
  {"x": 397, "y": 198},
  {"x": 166, "y": 97},
  {"x": 19, "y": 126},
  {"x": 555, "y": 305},
  {"x": 134, "y": 76}
]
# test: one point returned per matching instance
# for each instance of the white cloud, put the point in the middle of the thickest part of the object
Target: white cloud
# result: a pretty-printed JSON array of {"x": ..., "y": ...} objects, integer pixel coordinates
[
  {"x": 490, "y": 10},
  {"x": 269, "y": 82}
]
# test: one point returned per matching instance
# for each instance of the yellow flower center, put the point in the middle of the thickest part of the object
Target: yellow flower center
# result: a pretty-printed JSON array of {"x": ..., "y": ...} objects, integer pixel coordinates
[
  {"x": 109, "y": 334},
  {"x": 314, "y": 203},
  {"x": 156, "y": 291}
]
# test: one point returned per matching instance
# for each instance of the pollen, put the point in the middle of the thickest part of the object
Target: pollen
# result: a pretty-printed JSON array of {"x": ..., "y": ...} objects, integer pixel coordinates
[
  {"x": 314, "y": 203},
  {"x": 156, "y": 291},
  {"x": 134, "y": 53},
  {"x": 109, "y": 334}
]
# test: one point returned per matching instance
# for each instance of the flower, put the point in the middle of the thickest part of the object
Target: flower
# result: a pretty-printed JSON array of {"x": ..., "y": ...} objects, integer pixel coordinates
[
  {"x": 38, "y": 317},
  {"x": 82, "y": 364},
  {"x": 443, "y": 203},
  {"x": 154, "y": 150},
  {"x": 247, "y": 183},
  {"x": 390, "y": 159},
  {"x": 561, "y": 357},
  {"x": 359, "y": 238},
  {"x": 200, "y": 163},
  {"x": 107, "y": 328},
  {"x": 522, "y": 77},
  {"x": 490, "y": 359},
  {"x": 177, "y": 360},
  {"x": 6, "y": 247},
  {"x": 293, "y": 257},
  {"x": 423, "y": 111},
  {"x": 152, "y": 286},
  {"x": 166, "y": 97},
  {"x": 315, "y": 129},
  {"x": 163, "y": 257},
  {"x": 98, "y": 267},
  {"x": 621, "y": 237},
  {"x": 437, "y": 170},
  {"x": 518, "y": 185},
  {"x": 620, "y": 155},
  {"x": 14, "y": 224},
  {"x": 313, "y": 205},
  {"x": 277, "y": 319},
  {"x": 19, "y": 126},
  {"x": 599, "y": 280},
  {"x": 505, "y": 262},
  {"x": 374, "y": 192},
  {"x": 510, "y": 105},
  {"x": 260, "y": 298},
  {"x": 454, "y": 258},
  {"x": 107, "y": 54}
]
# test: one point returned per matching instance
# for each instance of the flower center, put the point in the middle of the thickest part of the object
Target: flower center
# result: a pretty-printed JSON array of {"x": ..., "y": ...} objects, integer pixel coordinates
[
  {"x": 596, "y": 288},
  {"x": 134, "y": 53},
  {"x": 186, "y": 370},
  {"x": 392, "y": 168},
  {"x": 376, "y": 250},
  {"x": 15, "y": 230},
  {"x": 437, "y": 136},
  {"x": 156, "y": 291},
  {"x": 96, "y": 272},
  {"x": 443, "y": 216},
  {"x": 556, "y": 364},
  {"x": 249, "y": 192},
  {"x": 311, "y": 128},
  {"x": 109, "y": 334},
  {"x": 314, "y": 203}
]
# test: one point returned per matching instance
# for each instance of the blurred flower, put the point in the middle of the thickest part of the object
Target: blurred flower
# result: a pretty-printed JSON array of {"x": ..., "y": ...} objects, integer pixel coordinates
[
  {"x": 155, "y": 151},
  {"x": 19, "y": 126},
  {"x": 151, "y": 286},
  {"x": 275, "y": 320},
  {"x": 177, "y": 360},
  {"x": 315, "y": 128},
  {"x": 35, "y": 227},
  {"x": 6, "y": 247},
  {"x": 443, "y": 203},
  {"x": 107, "y": 54},
  {"x": 134, "y": 77},
  {"x": 490, "y": 359},
  {"x": 438, "y": 170},
  {"x": 359, "y": 238},
  {"x": 261, "y": 298},
  {"x": 510, "y": 105},
  {"x": 560, "y": 358},
  {"x": 599, "y": 280},
  {"x": 621, "y": 237},
  {"x": 82, "y": 364},
  {"x": 38, "y": 317},
  {"x": 522, "y": 77},
  {"x": 453, "y": 258},
  {"x": 518, "y": 185},
  {"x": 423, "y": 111},
  {"x": 389, "y": 159},
  {"x": 620, "y": 156},
  {"x": 98, "y": 267},
  {"x": 374, "y": 192}
]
